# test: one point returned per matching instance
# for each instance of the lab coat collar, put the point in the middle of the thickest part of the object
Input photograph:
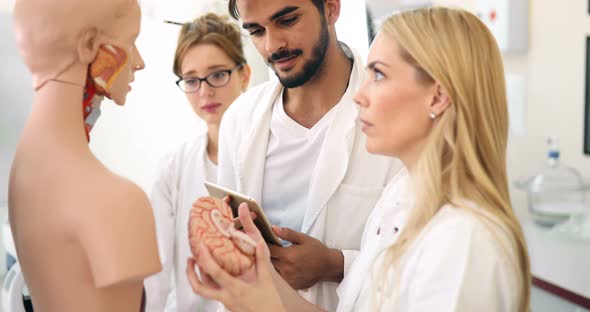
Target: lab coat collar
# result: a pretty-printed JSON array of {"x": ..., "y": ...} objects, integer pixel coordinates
[
  {"x": 201, "y": 142},
  {"x": 392, "y": 209},
  {"x": 334, "y": 157},
  {"x": 252, "y": 153}
]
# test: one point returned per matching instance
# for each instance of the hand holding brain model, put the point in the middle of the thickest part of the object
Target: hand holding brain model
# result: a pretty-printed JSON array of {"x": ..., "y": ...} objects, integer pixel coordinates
[{"x": 211, "y": 224}]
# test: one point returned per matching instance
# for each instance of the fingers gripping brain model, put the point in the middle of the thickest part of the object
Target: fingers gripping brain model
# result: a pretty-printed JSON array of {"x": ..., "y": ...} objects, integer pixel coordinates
[{"x": 211, "y": 224}]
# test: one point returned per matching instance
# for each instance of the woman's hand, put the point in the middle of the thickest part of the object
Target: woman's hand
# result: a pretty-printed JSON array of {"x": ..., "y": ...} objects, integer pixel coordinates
[{"x": 253, "y": 291}]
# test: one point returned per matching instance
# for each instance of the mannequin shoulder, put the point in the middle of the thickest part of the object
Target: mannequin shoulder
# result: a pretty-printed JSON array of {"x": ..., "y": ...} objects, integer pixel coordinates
[
  {"x": 104, "y": 201},
  {"x": 115, "y": 195},
  {"x": 117, "y": 232}
]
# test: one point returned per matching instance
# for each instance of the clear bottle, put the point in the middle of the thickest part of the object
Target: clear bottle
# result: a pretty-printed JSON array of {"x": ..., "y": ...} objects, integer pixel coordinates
[{"x": 557, "y": 192}]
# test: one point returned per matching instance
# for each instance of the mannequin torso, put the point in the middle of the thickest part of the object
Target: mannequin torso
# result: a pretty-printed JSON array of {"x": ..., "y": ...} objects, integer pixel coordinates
[{"x": 85, "y": 237}]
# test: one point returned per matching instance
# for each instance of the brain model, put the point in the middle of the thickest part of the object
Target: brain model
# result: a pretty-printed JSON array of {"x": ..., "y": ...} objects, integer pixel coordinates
[{"x": 211, "y": 223}]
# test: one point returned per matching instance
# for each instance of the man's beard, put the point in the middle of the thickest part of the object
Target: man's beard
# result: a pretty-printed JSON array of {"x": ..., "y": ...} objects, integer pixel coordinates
[{"x": 311, "y": 67}]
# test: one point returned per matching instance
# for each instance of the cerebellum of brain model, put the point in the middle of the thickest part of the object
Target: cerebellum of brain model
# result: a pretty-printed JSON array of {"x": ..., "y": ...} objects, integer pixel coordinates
[{"x": 211, "y": 223}]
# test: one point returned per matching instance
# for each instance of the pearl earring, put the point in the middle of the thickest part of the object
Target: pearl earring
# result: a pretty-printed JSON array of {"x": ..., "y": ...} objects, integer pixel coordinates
[{"x": 432, "y": 115}]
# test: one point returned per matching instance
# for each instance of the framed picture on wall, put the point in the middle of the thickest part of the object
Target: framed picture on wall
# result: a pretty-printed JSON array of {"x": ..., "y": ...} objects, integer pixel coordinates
[{"x": 587, "y": 100}]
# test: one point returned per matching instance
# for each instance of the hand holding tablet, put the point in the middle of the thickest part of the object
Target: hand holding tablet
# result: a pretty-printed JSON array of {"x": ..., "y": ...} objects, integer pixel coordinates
[{"x": 261, "y": 221}]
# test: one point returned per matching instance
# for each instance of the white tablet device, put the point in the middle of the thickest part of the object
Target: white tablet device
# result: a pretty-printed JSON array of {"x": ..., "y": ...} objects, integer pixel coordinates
[{"x": 261, "y": 221}]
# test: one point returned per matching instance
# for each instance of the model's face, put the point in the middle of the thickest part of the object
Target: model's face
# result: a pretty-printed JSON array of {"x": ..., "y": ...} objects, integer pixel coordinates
[
  {"x": 291, "y": 35},
  {"x": 394, "y": 105},
  {"x": 128, "y": 30},
  {"x": 209, "y": 102}
]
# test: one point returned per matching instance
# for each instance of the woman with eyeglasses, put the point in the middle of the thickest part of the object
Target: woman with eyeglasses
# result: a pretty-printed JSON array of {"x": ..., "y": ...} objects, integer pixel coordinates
[{"x": 212, "y": 72}]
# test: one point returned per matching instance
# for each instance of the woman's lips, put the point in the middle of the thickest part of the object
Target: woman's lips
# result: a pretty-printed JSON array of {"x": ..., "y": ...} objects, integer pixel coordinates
[
  {"x": 365, "y": 125},
  {"x": 210, "y": 107}
]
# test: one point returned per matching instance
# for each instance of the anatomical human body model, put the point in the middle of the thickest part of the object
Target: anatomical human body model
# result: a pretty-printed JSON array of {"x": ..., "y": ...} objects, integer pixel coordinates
[
  {"x": 109, "y": 62},
  {"x": 85, "y": 236},
  {"x": 211, "y": 224}
]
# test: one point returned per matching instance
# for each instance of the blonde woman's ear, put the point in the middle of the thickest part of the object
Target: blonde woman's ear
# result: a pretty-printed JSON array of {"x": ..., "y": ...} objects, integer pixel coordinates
[{"x": 440, "y": 102}]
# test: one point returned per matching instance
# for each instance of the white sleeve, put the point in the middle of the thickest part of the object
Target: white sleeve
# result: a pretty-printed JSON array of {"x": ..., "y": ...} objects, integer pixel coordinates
[
  {"x": 349, "y": 257},
  {"x": 163, "y": 199},
  {"x": 461, "y": 268}
]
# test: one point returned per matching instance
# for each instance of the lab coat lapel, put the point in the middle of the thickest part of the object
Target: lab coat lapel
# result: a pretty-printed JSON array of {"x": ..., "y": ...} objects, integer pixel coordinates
[
  {"x": 332, "y": 162},
  {"x": 194, "y": 188},
  {"x": 252, "y": 153},
  {"x": 203, "y": 140}
]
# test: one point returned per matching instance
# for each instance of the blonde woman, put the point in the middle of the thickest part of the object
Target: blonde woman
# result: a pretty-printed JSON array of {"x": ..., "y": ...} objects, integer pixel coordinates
[
  {"x": 212, "y": 71},
  {"x": 443, "y": 236}
]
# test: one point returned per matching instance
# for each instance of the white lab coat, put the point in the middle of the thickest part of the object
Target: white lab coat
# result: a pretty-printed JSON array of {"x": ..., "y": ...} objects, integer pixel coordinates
[
  {"x": 456, "y": 263},
  {"x": 178, "y": 184},
  {"x": 345, "y": 187}
]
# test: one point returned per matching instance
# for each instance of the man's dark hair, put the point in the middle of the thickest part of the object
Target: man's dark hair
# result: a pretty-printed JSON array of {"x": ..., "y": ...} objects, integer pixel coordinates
[
  {"x": 370, "y": 25},
  {"x": 233, "y": 8}
]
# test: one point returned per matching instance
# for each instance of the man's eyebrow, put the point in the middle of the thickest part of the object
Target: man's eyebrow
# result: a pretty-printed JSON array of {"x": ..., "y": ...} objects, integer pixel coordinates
[{"x": 284, "y": 11}]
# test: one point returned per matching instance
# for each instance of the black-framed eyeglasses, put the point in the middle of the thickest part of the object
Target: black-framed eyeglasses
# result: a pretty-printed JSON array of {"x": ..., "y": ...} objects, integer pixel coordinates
[{"x": 216, "y": 79}]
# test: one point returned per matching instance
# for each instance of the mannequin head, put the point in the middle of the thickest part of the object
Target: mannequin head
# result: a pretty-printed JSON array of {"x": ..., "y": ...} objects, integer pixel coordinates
[{"x": 59, "y": 39}]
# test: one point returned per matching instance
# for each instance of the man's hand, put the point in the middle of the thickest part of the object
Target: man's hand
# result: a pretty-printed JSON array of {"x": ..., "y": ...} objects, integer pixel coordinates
[{"x": 307, "y": 261}]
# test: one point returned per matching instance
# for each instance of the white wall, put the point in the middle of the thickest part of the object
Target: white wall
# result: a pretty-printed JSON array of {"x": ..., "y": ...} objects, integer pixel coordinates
[
  {"x": 555, "y": 70},
  {"x": 6, "y": 5},
  {"x": 15, "y": 99},
  {"x": 131, "y": 140},
  {"x": 15, "y": 103},
  {"x": 351, "y": 26}
]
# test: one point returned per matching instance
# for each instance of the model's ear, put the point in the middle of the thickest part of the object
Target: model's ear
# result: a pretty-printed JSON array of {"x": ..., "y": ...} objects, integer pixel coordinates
[{"x": 88, "y": 45}]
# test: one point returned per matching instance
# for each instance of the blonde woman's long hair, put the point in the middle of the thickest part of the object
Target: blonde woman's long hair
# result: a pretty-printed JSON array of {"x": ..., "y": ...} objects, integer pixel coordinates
[{"x": 464, "y": 160}]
